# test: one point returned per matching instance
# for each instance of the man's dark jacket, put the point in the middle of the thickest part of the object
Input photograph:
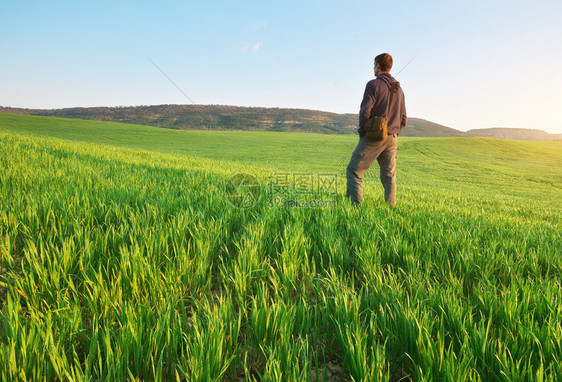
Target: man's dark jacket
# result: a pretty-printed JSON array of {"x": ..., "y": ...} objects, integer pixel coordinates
[{"x": 375, "y": 101}]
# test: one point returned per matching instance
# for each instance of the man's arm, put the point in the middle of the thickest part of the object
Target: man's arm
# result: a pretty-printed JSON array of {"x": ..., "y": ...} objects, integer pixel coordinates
[
  {"x": 404, "y": 119},
  {"x": 367, "y": 103}
]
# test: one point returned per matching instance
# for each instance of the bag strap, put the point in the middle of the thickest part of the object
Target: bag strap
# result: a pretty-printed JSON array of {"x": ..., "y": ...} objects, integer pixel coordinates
[{"x": 392, "y": 88}]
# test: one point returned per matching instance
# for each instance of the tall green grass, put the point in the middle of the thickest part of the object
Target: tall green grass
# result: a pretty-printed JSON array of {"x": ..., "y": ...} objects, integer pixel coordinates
[{"x": 119, "y": 263}]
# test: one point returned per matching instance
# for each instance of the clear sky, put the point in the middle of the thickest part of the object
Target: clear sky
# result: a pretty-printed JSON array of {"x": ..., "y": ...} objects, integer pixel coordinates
[{"x": 476, "y": 63}]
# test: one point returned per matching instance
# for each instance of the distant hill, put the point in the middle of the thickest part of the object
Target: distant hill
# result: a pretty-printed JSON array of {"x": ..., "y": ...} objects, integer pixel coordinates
[
  {"x": 211, "y": 117},
  {"x": 421, "y": 128},
  {"x": 513, "y": 133},
  {"x": 218, "y": 117}
]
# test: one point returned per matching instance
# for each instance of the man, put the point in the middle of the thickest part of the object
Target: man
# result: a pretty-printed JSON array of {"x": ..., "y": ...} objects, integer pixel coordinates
[{"x": 377, "y": 102}]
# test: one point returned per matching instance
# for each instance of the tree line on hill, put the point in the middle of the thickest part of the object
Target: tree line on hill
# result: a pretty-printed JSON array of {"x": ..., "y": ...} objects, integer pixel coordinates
[
  {"x": 210, "y": 117},
  {"x": 219, "y": 117}
]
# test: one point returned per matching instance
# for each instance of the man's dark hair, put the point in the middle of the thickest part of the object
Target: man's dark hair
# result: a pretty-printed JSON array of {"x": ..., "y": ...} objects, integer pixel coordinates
[{"x": 385, "y": 61}]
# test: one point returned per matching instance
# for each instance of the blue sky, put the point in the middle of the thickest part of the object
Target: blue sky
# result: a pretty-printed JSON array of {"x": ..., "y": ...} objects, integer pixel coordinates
[{"x": 476, "y": 64}]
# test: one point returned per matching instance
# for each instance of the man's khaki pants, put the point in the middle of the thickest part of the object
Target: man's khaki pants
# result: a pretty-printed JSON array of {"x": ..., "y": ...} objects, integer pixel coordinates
[{"x": 363, "y": 157}]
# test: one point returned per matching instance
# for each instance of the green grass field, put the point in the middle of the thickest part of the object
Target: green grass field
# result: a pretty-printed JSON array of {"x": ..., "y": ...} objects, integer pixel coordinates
[{"x": 122, "y": 258}]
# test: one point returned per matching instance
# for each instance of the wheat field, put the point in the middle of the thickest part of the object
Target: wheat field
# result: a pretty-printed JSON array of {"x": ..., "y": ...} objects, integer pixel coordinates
[{"x": 127, "y": 253}]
